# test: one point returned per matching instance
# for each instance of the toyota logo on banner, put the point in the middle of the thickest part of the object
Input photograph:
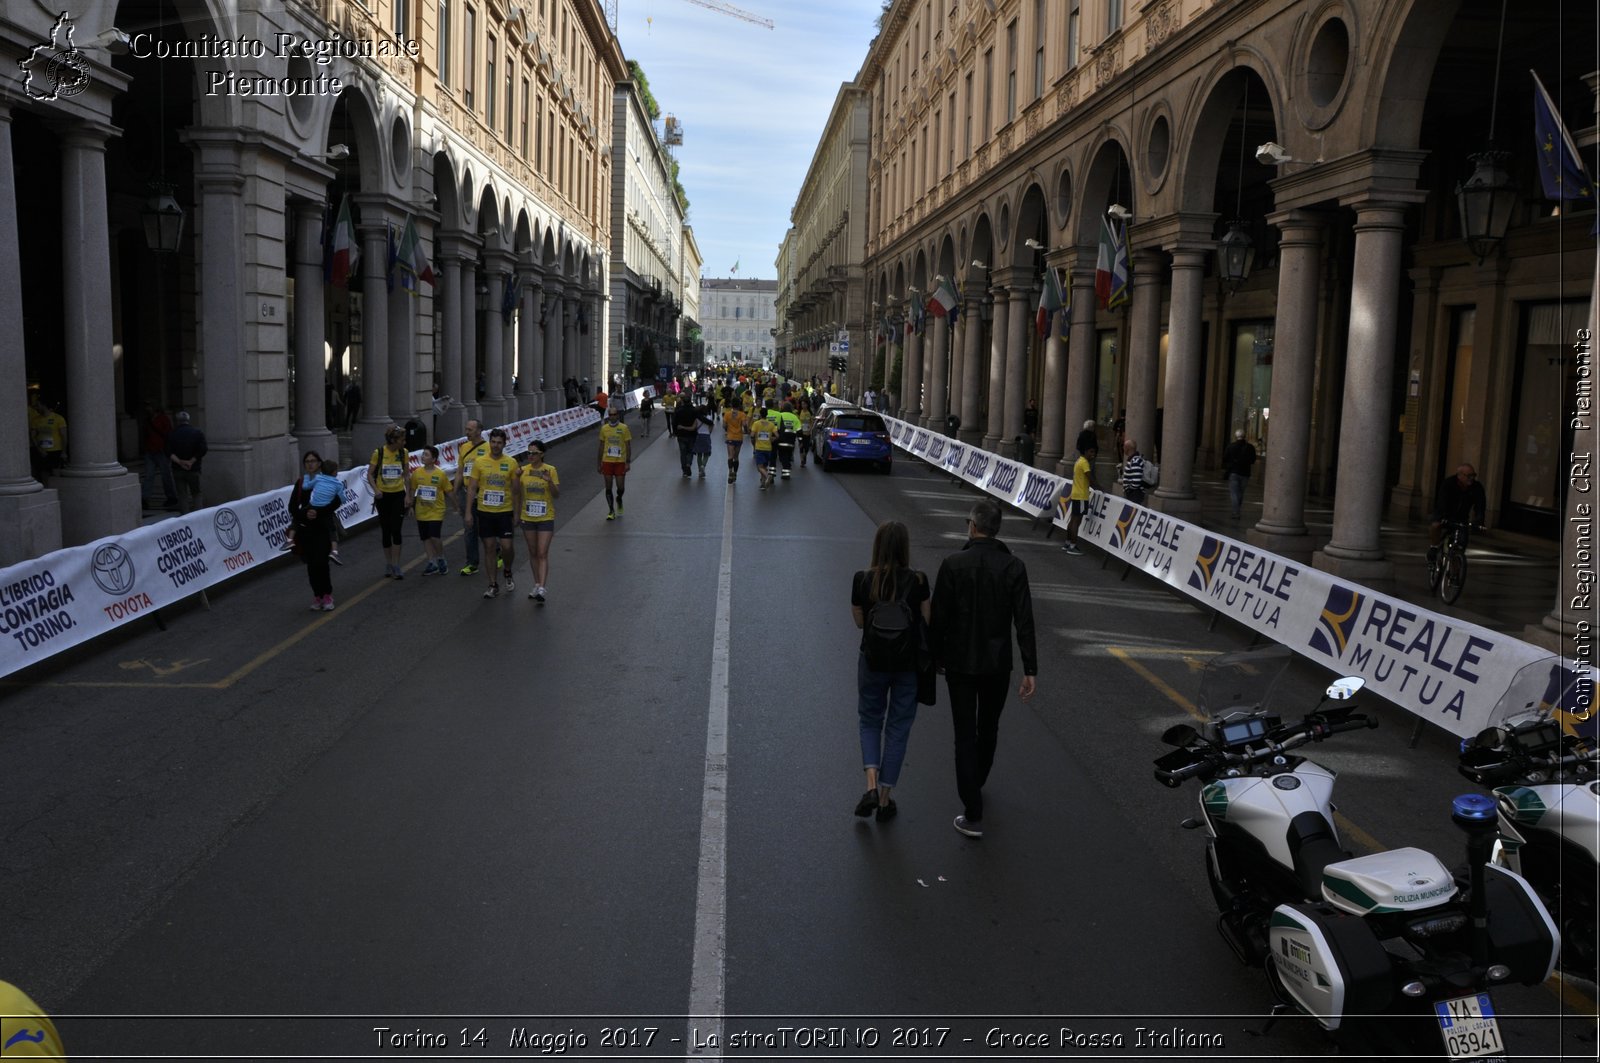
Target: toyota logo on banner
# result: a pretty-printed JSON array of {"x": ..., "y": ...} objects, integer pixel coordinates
[
  {"x": 112, "y": 570},
  {"x": 229, "y": 531}
]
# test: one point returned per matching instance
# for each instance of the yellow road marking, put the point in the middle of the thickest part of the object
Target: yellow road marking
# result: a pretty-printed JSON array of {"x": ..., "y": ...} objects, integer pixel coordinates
[{"x": 1569, "y": 994}]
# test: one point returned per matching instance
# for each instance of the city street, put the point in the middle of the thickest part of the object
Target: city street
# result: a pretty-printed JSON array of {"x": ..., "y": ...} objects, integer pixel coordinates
[{"x": 429, "y": 814}]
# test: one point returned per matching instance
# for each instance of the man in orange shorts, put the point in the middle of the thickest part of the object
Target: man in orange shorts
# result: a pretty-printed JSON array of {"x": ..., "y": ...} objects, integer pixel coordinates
[{"x": 616, "y": 455}]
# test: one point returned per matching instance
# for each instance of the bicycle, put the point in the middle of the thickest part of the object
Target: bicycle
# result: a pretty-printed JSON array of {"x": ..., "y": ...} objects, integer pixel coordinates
[{"x": 1447, "y": 563}]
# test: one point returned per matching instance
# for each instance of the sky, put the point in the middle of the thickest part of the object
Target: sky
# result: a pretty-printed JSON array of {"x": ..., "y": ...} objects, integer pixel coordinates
[{"x": 752, "y": 102}]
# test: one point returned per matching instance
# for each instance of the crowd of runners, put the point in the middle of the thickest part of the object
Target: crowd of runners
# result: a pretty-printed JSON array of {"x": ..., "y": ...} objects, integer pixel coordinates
[{"x": 501, "y": 497}]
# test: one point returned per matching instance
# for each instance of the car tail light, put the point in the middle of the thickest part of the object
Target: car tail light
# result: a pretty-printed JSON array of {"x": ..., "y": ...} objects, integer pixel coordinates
[
  {"x": 880, "y": 435},
  {"x": 837, "y": 435}
]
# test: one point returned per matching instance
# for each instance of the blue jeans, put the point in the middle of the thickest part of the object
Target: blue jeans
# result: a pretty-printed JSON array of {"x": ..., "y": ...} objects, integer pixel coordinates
[
  {"x": 1236, "y": 490},
  {"x": 888, "y": 707}
]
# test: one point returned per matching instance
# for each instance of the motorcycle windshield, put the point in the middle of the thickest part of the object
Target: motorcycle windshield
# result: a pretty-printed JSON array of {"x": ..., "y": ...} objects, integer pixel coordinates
[
  {"x": 1242, "y": 682},
  {"x": 1550, "y": 687}
]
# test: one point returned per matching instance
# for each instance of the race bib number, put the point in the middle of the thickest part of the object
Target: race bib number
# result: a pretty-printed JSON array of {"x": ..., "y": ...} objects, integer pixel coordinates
[
  {"x": 535, "y": 508},
  {"x": 614, "y": 451},
  {"x": 494, "y": 498},
  {"x": 391, "y": 473},
  {"x": 427, "y": 494},
  {"x": 763, "y": 436}
]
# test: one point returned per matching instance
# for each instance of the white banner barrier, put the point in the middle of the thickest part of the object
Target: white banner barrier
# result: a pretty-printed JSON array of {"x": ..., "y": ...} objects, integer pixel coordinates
[
  {"x": 52, "y": 603},
  {"x": 1447, "y": 671}
]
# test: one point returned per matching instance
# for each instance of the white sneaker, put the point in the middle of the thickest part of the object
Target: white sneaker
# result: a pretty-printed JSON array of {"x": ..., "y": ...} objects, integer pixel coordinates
[{"x": 538, "y": 595}]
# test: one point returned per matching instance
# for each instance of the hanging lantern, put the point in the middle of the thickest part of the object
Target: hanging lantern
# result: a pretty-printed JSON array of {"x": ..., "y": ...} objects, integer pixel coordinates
[
  {"x": 163, "y": 220},
  {"x": 1486, "y": 200},
  {"x": 1236, "y": 253}
]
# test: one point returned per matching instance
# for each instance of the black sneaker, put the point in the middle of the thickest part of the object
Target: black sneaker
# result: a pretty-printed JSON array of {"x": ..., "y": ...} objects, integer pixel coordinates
[
  {"x": 967, "y": 827},
  {"x": 868, "y": 804},
  {"x": 888, "y": 811}
]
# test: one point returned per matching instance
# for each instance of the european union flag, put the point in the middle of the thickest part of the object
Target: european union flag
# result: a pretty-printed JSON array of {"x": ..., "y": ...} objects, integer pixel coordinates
[{"x": 1560, "y": 168}]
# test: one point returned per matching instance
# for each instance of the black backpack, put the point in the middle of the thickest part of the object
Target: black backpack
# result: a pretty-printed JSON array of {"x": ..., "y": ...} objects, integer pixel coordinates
[
  {"x": 416, "y": 435},
  {"x": 891, "y": 635}
]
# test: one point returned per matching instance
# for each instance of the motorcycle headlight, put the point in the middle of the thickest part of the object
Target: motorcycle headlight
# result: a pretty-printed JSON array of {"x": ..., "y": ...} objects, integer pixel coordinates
[
  {"x": 1498, "y": 972},
  {"x": 1413, "y": 989}
]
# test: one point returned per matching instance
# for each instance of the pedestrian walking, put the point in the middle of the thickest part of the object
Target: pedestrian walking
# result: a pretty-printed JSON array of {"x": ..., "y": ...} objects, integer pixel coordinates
[
  {"x": 788, "y": 435},
  {"x": 889, "y": 602},
  {"x": 1237, "y": 460},
  {"x": 804, "y": 413},
  {"x": 186, "y": 447},
  {"x": 492, "y": 483},
  {"x": 539, "y": 487},
  {"x": 1083, "y": 486},
  {"x": 980, "y": 595},
  {"x": 391, "y": 495},
  {"x": 647, "y": 410},
  {"x": 352, "y": 404},
  {"x": 430, "y": 494},
  {"x": 313, "y": 504},
  {"x": 615, "y": 458},
  {"x": 684, "y": 426},
  {"x": 704, "y": 415},
  {"x": 466, "y": 454},
  {"x": 157, "y": 466}
]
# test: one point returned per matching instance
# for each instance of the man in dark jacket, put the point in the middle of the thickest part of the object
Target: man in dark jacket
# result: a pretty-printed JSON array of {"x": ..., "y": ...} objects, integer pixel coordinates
[
  {"x": 1237, "y": 459},
  {"x": 186, "y": 446},
  {"x": 980, "y": 595}
]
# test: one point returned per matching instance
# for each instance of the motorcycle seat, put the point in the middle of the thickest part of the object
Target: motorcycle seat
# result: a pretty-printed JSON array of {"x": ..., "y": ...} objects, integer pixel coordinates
[{"x": 1313, "y": 845}]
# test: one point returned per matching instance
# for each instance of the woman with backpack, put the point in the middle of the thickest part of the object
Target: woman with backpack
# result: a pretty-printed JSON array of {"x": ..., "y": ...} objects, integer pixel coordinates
[{"x": 889, "y": 602}]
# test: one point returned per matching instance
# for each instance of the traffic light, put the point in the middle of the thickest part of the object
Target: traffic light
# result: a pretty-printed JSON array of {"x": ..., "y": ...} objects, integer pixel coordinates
[{"x": 839, "y": 362}]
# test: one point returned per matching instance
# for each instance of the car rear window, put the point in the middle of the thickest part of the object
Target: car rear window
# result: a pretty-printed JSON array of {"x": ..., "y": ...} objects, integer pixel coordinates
[{"x": 859, "y": 424}]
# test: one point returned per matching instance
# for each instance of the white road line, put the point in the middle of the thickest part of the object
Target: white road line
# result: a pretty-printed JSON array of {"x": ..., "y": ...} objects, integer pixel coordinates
[{"x": 707, "y": 981}]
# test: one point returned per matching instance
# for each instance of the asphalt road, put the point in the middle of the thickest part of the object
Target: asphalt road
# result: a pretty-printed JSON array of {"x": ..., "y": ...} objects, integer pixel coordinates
[{"x": 426, "y": 814}]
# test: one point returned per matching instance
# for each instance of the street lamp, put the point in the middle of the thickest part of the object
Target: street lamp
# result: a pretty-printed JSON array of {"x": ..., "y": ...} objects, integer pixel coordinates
[
  {"x": 1236, "y": 253},
  {"x": 163, "y": 219},
  {"x": 1485, "y": 201}
]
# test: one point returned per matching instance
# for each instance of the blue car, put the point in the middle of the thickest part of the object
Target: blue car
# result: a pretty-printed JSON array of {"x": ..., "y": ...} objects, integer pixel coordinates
[{"x": 849, "y": 433}]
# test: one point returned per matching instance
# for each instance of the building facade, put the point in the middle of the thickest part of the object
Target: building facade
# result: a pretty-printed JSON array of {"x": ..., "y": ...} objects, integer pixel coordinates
[
  {"x": 690, "y": 349},
  {"x": 1360, "y": 342},
  {"x": 739, "y": 320},
  {"x": 646, "y": 241},
  {"x": 193, "y": 190},
  {"x": 821, "y": 275}
]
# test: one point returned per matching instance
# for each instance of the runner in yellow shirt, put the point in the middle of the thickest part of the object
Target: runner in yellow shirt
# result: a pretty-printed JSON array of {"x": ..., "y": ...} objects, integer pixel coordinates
[
  {"x": 467, "y": 453},
  {"x": 539, "y": 485},
  {"x": 734, "y": 421},
  {"x": 493, "y": 483},
  {"x": 430, "y": 491},
  {"x": 26, "y": 1032},
  {"x": 391, "y": 491},
  {"x": 764, "y": 436},
  {"x": 616, "y": 455}
]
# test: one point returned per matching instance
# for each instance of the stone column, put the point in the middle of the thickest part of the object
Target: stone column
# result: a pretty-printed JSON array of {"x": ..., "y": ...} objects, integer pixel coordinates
[
  {"x": 1081, "y": 357},
  {"x": 994, "y": 429},
  {"x": 571, "y": 362},
  {"x": 311, "y": 429},
  {"x": 1355, "y": 551},
  {"x": 367, "y": 435},
  {"x": 554, "y": 362},
  {"x": 971, "y": 368},
  {"x": 452, "y": 422},
  {"x": 98, "y": 496},
  {"x": 30, "y": 515},
  {"x": 494, "y": 400},
  {"x": 1569, "y": 627},
  {"x": 937, "y": 385},
  {"x": 530, "y": 351},
  {"x": 1052, "y": 411},
  {"x": 1176, "y": 493},
  {"x": 911, "y": 396},
  {"x": 508, "y": 355},
  {"x": 467, "y": 386},
  {"x": 957, "y": 348},
  {"x": 1282, "y": 528},
  {"x": 1017, "y": 352},
  {"x": 1144, "y": 348}
]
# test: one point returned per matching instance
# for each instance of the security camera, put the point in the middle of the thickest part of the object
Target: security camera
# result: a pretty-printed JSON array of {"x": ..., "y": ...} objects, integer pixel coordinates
[
  {"x": 1272, "y": 154},
  {"x": 113, "y": 40},
  {"x": 979, "y": 265},
  {"x": 336, "y": 151},
  {"x": 1118, "y": 211},
  {"x": 1032, "y": 243}
]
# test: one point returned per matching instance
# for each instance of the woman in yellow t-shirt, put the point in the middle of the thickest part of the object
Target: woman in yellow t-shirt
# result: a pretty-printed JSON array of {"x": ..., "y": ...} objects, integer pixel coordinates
[
  {"x": 734, "y": 421},
  {"x": 538, "y": 487},
  {"x": 430, "y": 488},
  {"x": 391, "y": 491}
]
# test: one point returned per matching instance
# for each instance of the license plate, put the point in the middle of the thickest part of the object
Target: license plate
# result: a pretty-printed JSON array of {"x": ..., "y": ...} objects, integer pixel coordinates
[{"x": 1469, "y": 1027}]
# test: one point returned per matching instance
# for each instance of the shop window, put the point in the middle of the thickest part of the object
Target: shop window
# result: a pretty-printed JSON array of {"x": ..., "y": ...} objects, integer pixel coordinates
[{"x": 1251, "y": 389}]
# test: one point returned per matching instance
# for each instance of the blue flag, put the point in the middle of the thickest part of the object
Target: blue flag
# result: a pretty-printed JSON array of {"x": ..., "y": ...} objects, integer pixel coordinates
[
  {"x": 394, "y": 257},
  {"x": 508, "y": 304},
  {"x": 1560, "y": 167}
]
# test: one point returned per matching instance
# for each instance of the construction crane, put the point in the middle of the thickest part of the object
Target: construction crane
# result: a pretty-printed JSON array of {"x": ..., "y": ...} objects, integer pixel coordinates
[
  {"x": 713, "y": 5},
  {"x": 736, "y": 12}
]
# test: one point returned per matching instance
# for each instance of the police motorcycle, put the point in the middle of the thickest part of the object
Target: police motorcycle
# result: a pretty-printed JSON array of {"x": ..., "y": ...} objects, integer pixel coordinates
[
  {"x": 1546, "y": 786},
  {"x": 1391, "y": 953}
]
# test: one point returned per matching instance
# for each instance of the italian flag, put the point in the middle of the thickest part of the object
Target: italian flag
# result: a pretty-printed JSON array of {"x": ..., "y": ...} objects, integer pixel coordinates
[
  {"x": 413, "y": 259},
  {"x": 346, "y": 249}
]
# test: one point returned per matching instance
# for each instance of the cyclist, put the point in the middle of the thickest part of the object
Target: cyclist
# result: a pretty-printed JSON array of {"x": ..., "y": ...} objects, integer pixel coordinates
[{"x": 1461, "y": 500}]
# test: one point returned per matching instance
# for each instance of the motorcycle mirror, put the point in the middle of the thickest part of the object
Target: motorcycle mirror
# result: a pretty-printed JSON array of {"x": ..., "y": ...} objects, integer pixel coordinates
[
  {"x": 1491, "y": 738},
  {"x": 1180, "y": 735},
  {"x": 1345, "y": 689}
]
